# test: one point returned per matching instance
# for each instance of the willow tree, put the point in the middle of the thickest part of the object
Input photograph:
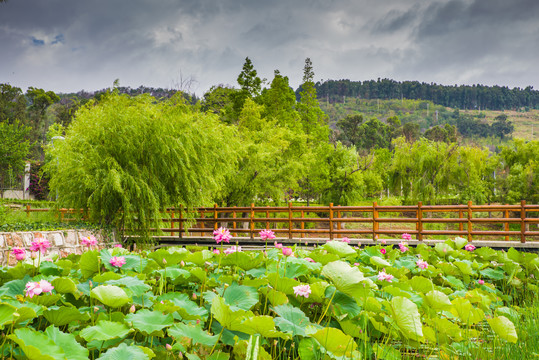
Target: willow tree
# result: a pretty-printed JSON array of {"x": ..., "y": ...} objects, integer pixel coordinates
[{"x": 124, "y": 159}]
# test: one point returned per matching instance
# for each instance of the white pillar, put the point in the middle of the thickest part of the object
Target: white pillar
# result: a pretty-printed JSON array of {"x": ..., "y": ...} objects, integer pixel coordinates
[{"x": 26, "y": 188}]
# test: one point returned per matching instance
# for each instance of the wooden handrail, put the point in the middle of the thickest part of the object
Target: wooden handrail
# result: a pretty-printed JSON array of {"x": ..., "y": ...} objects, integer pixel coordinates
[{"x": 359, "y": 221}]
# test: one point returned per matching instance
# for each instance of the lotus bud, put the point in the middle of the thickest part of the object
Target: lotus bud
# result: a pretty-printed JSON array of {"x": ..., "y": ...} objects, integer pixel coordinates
[
  {"x": 132, "y": 309},
  {"x": 168, "y": 347},
  {"x": 165, "y": 262}
]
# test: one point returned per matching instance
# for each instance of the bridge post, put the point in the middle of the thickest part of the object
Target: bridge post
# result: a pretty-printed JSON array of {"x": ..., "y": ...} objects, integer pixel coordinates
[
  {"x": 470, "y": 216},
  {"x": 375, "y": 224},
  {"x": 330, "y": 221},
  {"x": 420, "y": 221},
  {"x": 523, "y": 221}
]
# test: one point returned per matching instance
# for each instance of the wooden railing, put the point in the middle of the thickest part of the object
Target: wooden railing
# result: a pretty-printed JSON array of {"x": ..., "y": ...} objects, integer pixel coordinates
[
  {"x": 331, "y": 222},
  {"x": 303, "y": 222}
]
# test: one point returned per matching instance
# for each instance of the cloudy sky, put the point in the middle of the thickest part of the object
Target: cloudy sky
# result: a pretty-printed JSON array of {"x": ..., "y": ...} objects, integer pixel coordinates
[{"x": 71, "y": 45}]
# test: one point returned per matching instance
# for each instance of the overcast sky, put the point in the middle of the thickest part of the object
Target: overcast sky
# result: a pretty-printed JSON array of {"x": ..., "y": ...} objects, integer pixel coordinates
[{"x": 71, "y": 45}]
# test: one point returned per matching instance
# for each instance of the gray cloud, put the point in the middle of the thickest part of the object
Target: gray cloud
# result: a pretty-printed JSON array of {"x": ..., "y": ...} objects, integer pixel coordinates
[{"x": 66, "y": 45}]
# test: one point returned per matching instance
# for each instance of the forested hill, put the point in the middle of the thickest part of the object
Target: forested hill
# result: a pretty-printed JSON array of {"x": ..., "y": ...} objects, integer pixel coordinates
[{"x": 464, "y": 97}]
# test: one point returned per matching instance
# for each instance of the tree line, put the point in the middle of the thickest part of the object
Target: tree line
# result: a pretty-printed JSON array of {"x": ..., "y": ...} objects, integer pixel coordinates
[{"x": 462, "y": 97}]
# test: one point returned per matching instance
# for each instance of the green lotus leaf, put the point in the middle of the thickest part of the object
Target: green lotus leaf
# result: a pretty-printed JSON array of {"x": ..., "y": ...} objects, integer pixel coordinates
[
  {"x": 149, "y": 322},
  {"x": 386, "y": 352},
  {"x": 132, "y": 262},
  {"x": 26, "y": 313},
  {"x": 89, "y": 264},
  {"x": 263, "y": 325},
  {"x": 228, "y": 318},
  {"x": 465, "y": 267},
  {"x": 241, "y": 351},
  {"x": 323, "y": 257},
  {"x": 291, "y": 319},
  {"x": 68, "y": 343},
  {"x": 350, "y": 280},
  {"x": 463, "y": 309},
  {"x": 256, "y": 283},
  {"x": 437, "y": 300},
  {"x": 283, "y": 284},
  {"x": 64, "y": 285},
  {"x": 124, "y": 351},
  {"x": 14, "y": 287},
  {"x": 106, "y": 276},
  {"x": 240, "y": 296},
  {"x": 309, "y": 349},
  {"x": 274, "y": 297},
  {"x": 65, "y": 315},
  {"x": 105, "y": 330},
  {"x": 37, "y": 345},
  {"x": 345, "y": 306},
  {"x": 137, "y": 286},
  {"x": 176, "y": 275},
  {"x": 447, "y": 331},
  {"x": 459, "y": 242},
  {"x": 243, "y": 260},
  {"x": 46, "y": 300},
  {"x": 149, "y": 352},
  {"x": 407, "y": 318},
  {"x": 379, "y": 262},
  {"x": 494, "y": 274},
  {"x": 110, "y": 295},
  {"x": 7, "y": 314},
  {"x": 318, "y": 291},
  {"x": 199, "y": 257},
  {"x": 196, "y": 333},
  {"x": 337, "y": 342},
  {"x": 339, "y": 248},
  {"x": 171, "y": 255},
  {"x": 187, "y": 308},
  {"x": 504, "y": 328},
  {"x": 421, "y": 284}
]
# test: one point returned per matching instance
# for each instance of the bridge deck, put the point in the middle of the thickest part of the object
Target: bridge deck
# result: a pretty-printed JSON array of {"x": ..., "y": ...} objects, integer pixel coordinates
[{"x": 311, "y": 242}]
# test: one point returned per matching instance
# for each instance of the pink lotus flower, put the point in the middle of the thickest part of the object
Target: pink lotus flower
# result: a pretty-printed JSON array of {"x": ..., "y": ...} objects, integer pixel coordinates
[
  {"x": 278, "y": 245},
  {"x": 36, "y": 288},
  {"x": 20, "y": 253},
  {"x": 346, "y": 240},
  {"x": 89, "y": 241},
  {"x": 117, "y": 261},
  {"x": 118, "y": 245},
  {"x": 222, "y": 234},
  {"x": 287, "y": 251},
  {"x": 382, "y": 275},
  {"x": 309, "y": 259},
  {"x": 406, "y": 237},
  {"x": 302, "y": 290},
  {"x": 216, "y": 251},
  {"x": 422, "y": 264},
  {"x": 267, "y": 235},
  {"x": 132, "y": 309},
  {"x": 480, "y": 282},
  {"x": 232, "y": 249},
  {"x": 383, "y": 251},
  {"x": 383, "y": 241},
  {"x": 403, "y": 247},
  {"x": 40, "y": 244},
  {"x": 356, "y": 264},
  {"x": 469, "y": 247}
]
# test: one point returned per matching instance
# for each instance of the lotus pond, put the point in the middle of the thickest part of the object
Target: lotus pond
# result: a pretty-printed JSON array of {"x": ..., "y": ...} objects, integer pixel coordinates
[{"x": 331, "y": 302}]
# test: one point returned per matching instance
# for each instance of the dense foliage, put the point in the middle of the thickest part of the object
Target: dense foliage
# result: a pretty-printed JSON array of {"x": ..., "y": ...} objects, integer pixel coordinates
[
  {"x": 333, "y": 302},
  {"x": 124, "y": 159},
  {"x": 455, "y": 96}
]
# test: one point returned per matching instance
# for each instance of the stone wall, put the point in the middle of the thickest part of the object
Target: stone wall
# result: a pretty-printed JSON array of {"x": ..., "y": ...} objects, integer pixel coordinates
[{"x": 63, "y": 242}]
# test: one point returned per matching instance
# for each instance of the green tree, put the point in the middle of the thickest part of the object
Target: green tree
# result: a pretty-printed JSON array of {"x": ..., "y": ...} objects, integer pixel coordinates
[
  {"x": 279, "y": 103},
  {"x": 124, "y": 159},
  {"x": 12, "y": 104},
  {"x": 250, "y": 86},
  {"x": 14, "y": 149},
  {"x": 502, "y": 126},
  {"x": 314, "y": 120}
]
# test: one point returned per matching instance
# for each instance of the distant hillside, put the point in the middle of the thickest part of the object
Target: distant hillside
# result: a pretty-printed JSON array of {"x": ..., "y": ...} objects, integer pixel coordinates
[
  {"x": 427, "y": 114},
  {"x": 463, "y": 97}
]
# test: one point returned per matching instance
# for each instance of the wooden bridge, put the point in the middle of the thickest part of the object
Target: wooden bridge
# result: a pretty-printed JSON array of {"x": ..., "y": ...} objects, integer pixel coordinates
[{"x": 497, "y": 226}]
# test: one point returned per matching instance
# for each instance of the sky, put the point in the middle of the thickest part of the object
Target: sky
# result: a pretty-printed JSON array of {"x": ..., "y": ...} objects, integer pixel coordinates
[{"x": 72, "y": 45}]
